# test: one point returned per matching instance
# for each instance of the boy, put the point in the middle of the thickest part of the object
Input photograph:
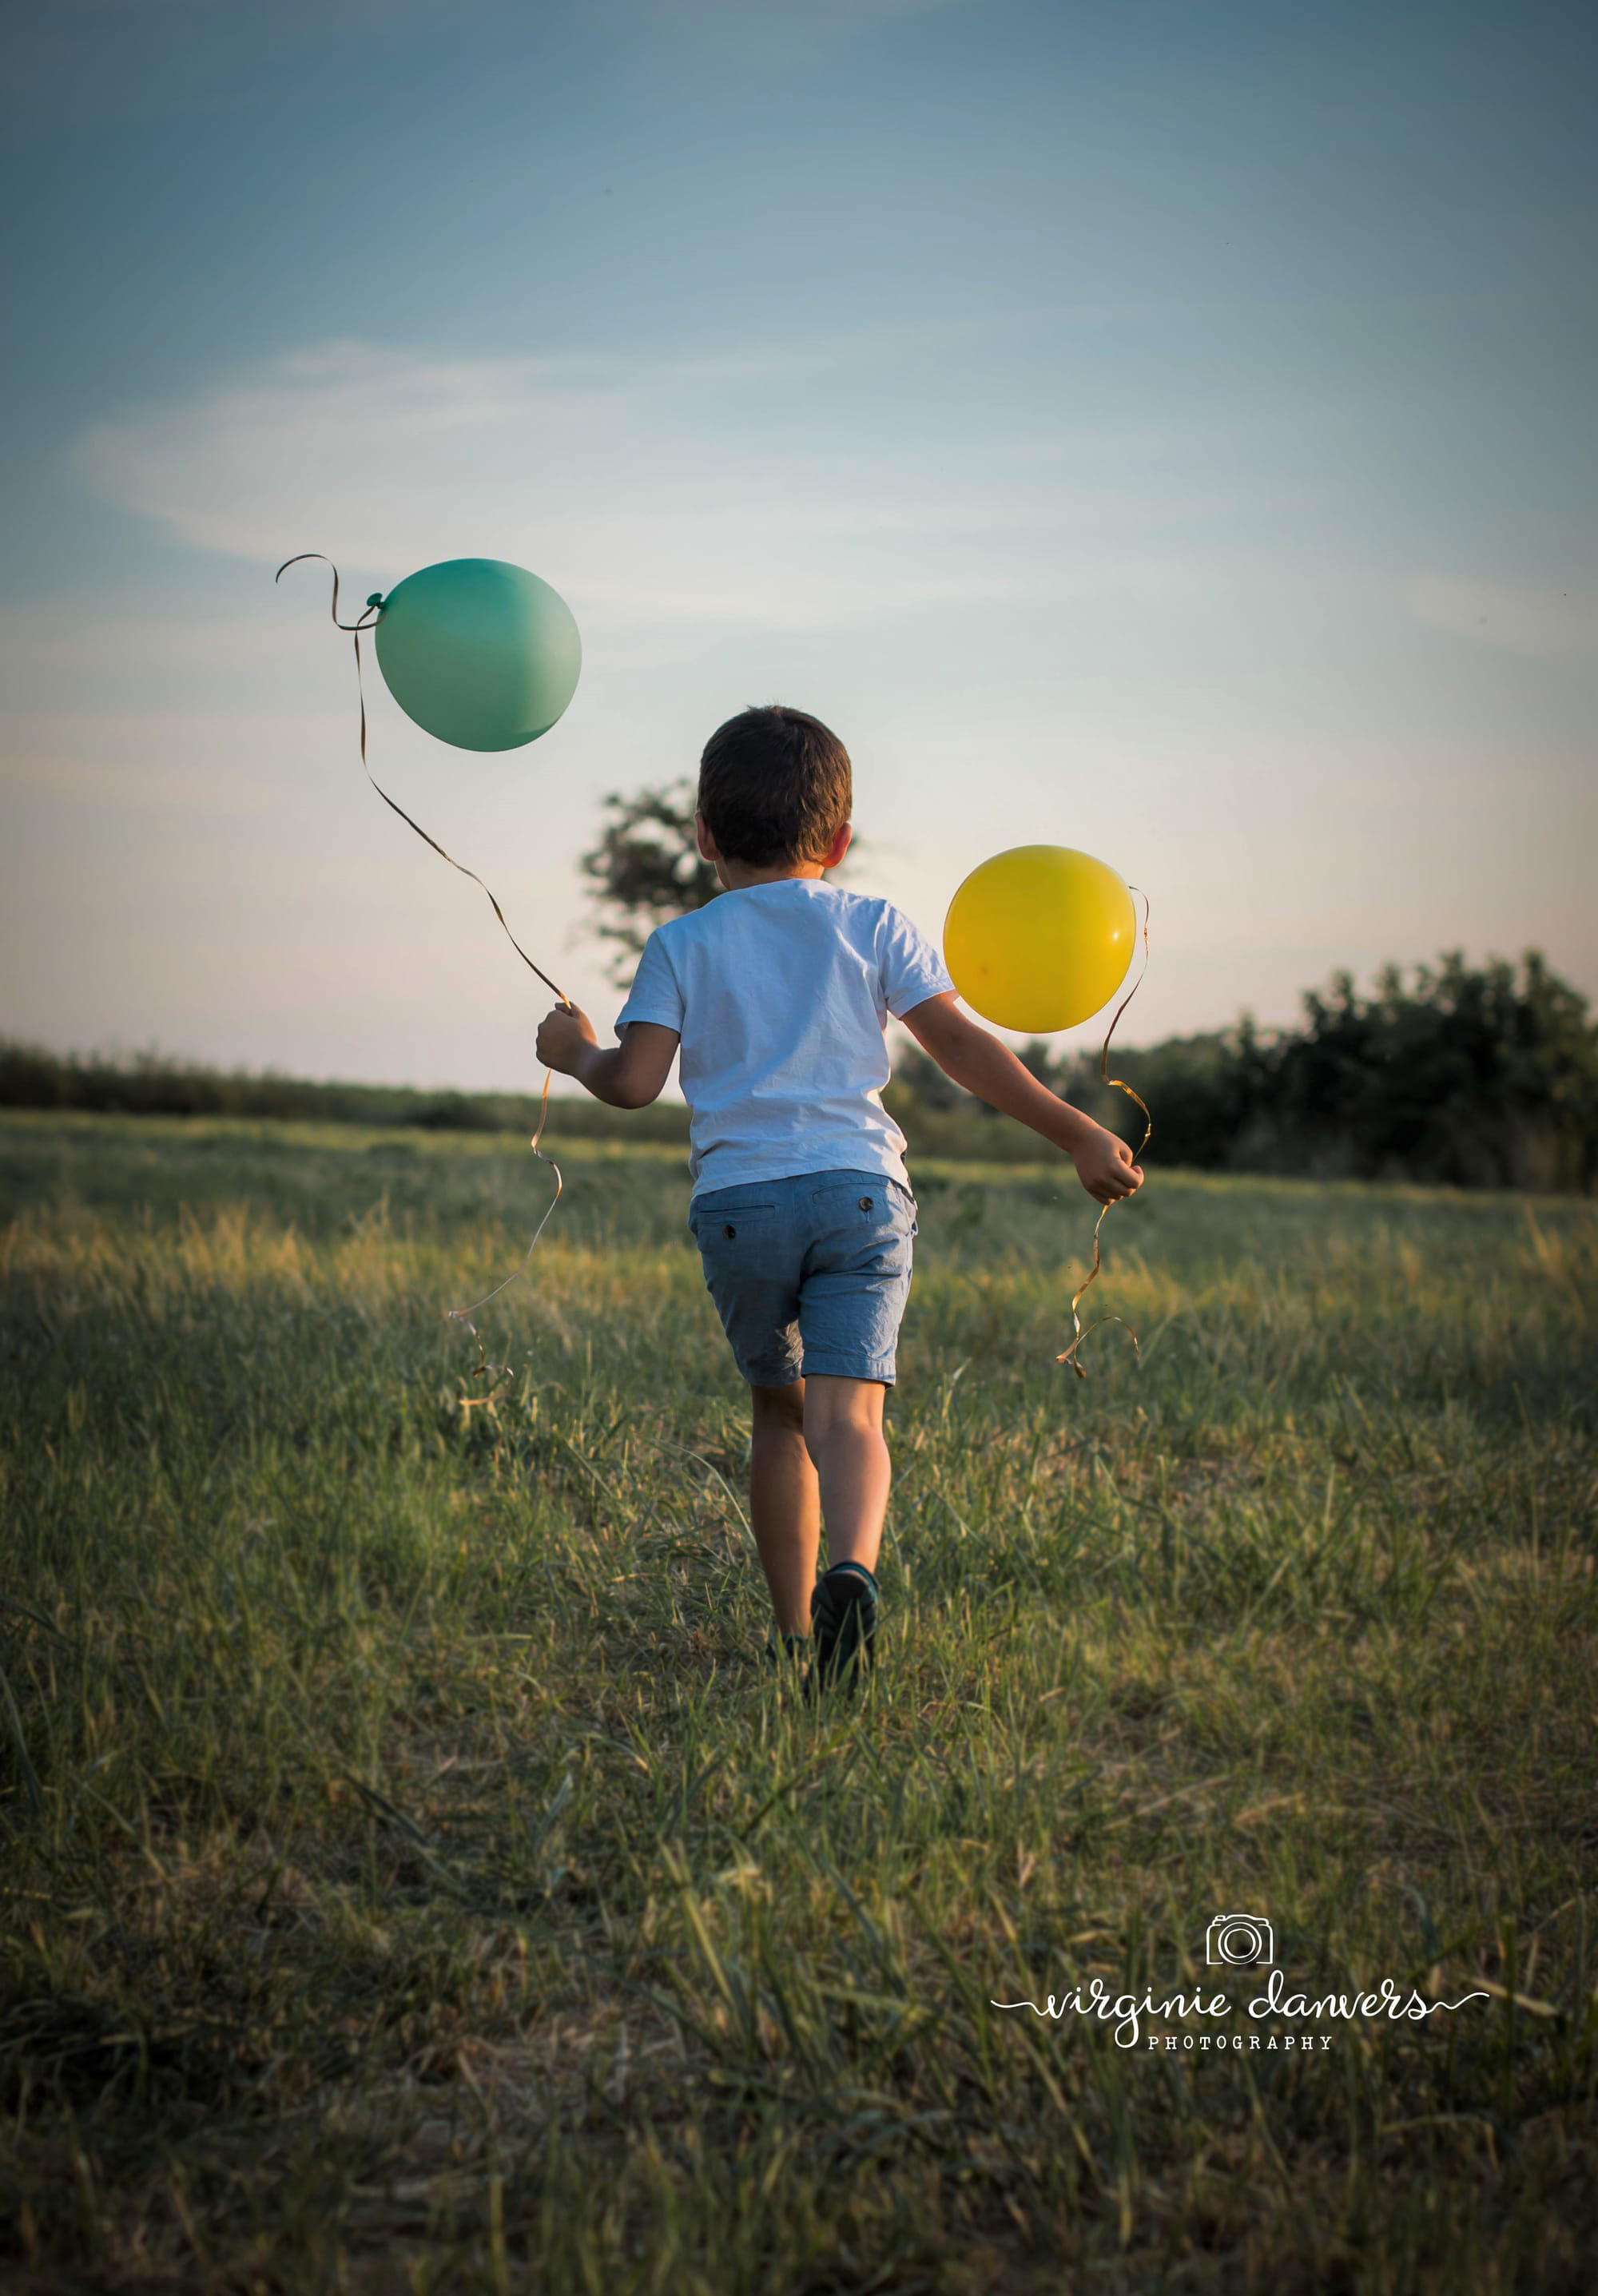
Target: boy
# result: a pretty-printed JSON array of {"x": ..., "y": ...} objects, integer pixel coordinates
[{"x": 778, "y": 994}]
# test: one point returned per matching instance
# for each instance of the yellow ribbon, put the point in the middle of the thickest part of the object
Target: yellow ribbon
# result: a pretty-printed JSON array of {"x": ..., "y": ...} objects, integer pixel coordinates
[{"x": 1070, "y": 1353}]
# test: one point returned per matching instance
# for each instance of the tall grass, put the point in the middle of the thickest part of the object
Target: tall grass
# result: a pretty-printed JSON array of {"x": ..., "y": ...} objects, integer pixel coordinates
[{"x": 412, "y": 1878}]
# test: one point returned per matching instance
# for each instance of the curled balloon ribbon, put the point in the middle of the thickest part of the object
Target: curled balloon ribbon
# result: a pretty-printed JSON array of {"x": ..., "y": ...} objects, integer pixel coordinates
[
  {"x": 486, "y": 1371},
  {"x": 492, "y": 1373},
  {"x": 1071, "y": 1355}
]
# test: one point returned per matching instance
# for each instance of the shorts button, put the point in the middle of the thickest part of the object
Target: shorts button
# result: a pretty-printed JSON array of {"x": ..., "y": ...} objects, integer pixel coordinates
[
  {"x": 865, "y": 1204},
  {"x": 729, "y": 1233}
]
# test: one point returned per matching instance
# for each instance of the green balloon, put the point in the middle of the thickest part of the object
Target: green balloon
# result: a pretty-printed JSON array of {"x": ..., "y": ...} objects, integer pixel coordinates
[{"x": 478, "y": 652}]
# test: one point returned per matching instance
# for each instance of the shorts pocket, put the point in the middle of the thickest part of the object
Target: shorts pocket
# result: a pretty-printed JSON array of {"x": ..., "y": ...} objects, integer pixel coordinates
[
  {"x": 866, "y": 1200},
  {"x": 864, "y": 1223},
  {"x": 715, "y": 1225},
  {"x": 866, "y": 1192}
]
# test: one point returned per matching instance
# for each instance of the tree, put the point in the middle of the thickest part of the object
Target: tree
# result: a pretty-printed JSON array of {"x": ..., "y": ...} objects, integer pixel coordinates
[
  {"x": 645, "y": 869},
  {"x": 1476, "y": 1075}
]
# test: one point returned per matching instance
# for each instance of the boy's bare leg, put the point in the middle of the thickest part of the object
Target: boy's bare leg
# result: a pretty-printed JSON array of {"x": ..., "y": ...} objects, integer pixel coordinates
[
  {"x": 843, "y": 1432},
  {"x": 785, "y": 1500}
]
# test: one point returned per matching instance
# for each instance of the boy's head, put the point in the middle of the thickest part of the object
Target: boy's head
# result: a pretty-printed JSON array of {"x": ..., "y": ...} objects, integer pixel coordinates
[{"x": 774, "y": 787}]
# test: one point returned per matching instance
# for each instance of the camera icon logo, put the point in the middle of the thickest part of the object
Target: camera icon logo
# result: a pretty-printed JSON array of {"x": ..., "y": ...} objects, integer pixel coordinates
[{"x": 1239, "y": 1941}]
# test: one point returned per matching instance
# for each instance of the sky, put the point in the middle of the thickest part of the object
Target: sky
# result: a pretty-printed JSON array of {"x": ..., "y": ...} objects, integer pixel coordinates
[{"x": 1158, "y": 429}]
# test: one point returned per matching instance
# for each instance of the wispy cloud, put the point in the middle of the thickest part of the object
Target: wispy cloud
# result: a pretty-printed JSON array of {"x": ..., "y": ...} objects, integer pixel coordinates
[
  {"x": 652, "y": 493},
  {"x": 1547, "y": 624}
]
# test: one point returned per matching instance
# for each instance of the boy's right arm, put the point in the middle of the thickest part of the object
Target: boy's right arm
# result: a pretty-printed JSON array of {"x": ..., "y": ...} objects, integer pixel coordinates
[
  {"x": 984, "y": 1066},
  {"x": 629, "y": 1077}
]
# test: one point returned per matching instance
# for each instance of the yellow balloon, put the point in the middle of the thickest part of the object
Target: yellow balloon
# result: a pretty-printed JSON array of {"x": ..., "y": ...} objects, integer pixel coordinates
[{"x": 1040, "y": 937}]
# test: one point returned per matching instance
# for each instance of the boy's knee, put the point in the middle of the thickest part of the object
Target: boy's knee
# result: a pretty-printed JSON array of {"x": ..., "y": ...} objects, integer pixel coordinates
[
  {"x": 779, "y": 1406},
  {"x": 852, "y": 1403}
]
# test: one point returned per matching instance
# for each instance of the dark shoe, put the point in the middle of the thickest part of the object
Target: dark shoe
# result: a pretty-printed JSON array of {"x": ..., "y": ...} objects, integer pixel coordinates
[
  {"x": 843, "y": 1621},
  {"x": 793, "y": 1650}
]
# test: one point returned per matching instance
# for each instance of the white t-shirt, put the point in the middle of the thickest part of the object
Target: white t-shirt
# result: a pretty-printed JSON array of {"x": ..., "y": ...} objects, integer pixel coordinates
[{"x": 780, "y": 993}]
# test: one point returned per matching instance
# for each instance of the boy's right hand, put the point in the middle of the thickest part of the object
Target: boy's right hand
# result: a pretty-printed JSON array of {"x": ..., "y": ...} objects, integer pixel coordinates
[
  {"x": 564, "y": 1034},
  {"x": 1105, "y": 1168}
]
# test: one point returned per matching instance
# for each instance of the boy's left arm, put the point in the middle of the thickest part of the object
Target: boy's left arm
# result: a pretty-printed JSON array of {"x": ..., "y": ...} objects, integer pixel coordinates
[
  {"x": 1105, "y": 1165},
  {"x": 630, "y": 1076}
]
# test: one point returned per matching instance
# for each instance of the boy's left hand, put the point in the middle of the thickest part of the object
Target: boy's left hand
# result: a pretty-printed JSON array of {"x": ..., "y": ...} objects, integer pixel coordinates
[
  {"x": 1106, "y": 1167},
  {"x": 564, "y": 1034}
]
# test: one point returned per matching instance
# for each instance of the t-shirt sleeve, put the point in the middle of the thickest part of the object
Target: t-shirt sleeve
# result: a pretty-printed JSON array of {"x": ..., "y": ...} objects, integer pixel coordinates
[
  {"x": 654, "y": 995},
  {"x": 911, "y": 967}
]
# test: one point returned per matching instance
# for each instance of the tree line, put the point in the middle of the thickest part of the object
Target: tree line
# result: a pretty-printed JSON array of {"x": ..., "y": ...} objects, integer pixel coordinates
[
  {"x": 1473, "y": 1076},
  {"x": 151, "y": 1084}
]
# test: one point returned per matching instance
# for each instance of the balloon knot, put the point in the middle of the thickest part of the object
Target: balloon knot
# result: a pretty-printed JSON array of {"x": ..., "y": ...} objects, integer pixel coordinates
[{"x": 376, "y": 599}]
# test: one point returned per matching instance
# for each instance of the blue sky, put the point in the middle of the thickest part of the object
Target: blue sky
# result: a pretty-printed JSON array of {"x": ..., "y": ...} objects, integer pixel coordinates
[{"x": 1158, "y": 428}]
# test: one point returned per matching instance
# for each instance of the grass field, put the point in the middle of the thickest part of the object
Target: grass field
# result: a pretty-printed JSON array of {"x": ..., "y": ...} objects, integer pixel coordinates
[{"x": 411, "y": 1880}]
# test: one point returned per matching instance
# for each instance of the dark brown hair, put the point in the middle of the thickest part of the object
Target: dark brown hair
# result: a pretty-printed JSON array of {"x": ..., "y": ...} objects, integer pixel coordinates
[{"x": 775, "y": 785}]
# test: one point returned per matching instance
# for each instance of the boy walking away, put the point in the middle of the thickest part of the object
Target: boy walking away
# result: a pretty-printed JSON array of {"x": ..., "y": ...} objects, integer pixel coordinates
[{"x": 778, "y": 995}]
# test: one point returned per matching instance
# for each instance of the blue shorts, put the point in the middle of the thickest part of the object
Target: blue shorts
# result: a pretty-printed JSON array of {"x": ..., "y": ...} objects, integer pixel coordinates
[{"x": 809, "y": 1274}]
